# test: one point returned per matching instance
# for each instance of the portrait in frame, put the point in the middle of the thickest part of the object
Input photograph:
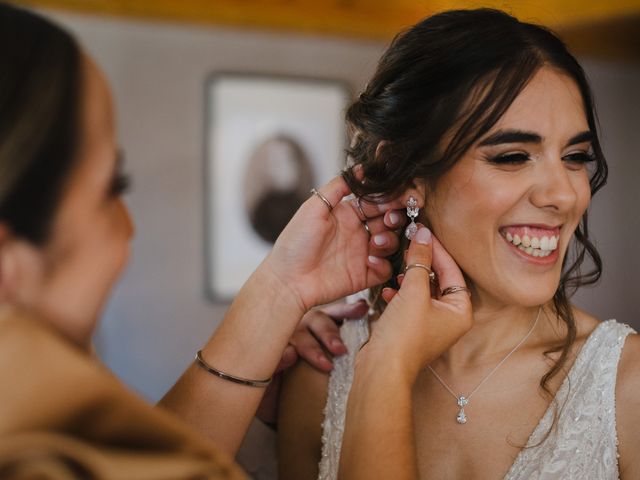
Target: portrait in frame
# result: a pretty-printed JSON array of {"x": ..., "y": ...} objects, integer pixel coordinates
[{"x": 269, "y": 140}]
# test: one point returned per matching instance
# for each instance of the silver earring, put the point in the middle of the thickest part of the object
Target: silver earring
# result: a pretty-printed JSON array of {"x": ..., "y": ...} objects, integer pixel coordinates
[{"x": 412, "y": 213}]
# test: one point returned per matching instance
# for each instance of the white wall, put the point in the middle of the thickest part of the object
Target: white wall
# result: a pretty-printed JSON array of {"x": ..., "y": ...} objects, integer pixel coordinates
[{"x": 159, "y": 315}]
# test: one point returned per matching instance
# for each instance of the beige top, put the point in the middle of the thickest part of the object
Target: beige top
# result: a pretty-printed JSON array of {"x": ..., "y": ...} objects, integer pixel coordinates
[{"x": 64, "y": 416}]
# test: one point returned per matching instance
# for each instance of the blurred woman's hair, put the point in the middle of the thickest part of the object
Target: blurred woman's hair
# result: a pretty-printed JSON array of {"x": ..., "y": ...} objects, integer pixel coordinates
[
  {"x": 39, "y": 109},
  {"x": 452, "y": 76}
]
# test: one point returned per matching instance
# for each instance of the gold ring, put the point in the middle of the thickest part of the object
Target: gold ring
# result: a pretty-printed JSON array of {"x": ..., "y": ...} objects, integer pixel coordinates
[
  {"x": 323, "y": 198},
  {"x": 454, "y": 289},
  {"x": 432, "y": 275}
]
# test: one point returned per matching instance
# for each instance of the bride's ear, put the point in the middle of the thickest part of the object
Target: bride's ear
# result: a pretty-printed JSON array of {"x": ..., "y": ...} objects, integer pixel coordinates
[{"x": 417, "y": 190}]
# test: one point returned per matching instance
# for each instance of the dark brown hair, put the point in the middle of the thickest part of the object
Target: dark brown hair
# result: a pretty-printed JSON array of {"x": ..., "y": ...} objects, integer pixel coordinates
[
  {"x": 456, "y": 73},
  {"x": 39, "y": 97}
]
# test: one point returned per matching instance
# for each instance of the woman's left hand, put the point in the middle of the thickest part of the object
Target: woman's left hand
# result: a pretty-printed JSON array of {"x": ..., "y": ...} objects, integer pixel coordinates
[{"x": 324, "y": 254}]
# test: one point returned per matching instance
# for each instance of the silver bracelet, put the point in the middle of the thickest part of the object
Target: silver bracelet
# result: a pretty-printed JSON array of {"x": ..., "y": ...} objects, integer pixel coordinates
[{"x": 225, "y": 376}]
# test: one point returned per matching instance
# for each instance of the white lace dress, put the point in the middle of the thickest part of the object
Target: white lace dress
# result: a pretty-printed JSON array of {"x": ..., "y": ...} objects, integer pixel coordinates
[{"x": 582, "y": 446}]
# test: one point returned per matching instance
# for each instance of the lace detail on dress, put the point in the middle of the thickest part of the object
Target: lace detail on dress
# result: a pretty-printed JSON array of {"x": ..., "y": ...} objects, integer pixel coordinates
[
  {"x": 354, "y": 334},
  {"x": 584, "y": 442}
]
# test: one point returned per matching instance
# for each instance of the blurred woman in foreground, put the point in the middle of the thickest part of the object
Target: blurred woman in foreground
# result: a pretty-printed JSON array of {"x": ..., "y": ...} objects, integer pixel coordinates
[{"x": 64, "y": 240}]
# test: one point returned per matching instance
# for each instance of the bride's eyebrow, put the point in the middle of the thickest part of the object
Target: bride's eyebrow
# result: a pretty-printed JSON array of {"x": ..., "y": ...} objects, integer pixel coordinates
[
  {"x": 520, "y": 136},
  {"x": 511, "y": 136}
]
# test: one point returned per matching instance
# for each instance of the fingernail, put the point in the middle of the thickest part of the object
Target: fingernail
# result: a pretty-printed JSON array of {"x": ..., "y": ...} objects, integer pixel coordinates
[
  {"x": 423, "y": 236},
  {"x": 336, "y": 343},
  {"x": 375, "y": 260},
  {"x": 379, "y": 240},
  {"x": 394, "y": 218}
]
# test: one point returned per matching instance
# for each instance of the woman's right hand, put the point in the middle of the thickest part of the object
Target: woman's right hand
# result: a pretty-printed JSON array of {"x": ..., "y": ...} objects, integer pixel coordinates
[
  {"x": 416, "y": 328},
  {"x": 324, "y": 254}
]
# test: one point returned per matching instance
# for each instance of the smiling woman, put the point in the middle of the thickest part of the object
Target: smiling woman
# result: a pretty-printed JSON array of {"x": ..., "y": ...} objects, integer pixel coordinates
[{"x": 488, "y": 122}]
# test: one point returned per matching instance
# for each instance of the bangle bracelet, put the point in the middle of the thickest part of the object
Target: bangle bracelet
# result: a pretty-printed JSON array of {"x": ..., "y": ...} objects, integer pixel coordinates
[{"x": 225, "y": 376}]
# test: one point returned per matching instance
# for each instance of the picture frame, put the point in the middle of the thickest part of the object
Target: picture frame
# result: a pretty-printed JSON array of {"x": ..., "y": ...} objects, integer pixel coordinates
[{"x": 268, "y": 140}]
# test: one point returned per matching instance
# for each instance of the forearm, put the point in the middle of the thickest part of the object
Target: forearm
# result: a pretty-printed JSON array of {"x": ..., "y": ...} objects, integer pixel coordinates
[
  {"x": 248, "y": 343},
  {"x": 378, "y": 441}
]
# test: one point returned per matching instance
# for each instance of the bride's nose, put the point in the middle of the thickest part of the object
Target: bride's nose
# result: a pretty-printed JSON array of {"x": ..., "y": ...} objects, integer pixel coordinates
[{"x": 553, "y": 188}]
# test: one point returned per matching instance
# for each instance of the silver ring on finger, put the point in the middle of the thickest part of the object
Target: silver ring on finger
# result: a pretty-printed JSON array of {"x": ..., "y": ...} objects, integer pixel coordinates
[
  {"x": 454, "y": 289},
  {"x": 360, "y": 210},
  {"x": 323, "y": 198},
  {"x": 432, "y": 275},
  {"x": 366, "y": 227}
]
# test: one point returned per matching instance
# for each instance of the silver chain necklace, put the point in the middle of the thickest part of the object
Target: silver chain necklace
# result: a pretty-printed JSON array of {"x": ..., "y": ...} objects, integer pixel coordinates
[{"x": 462, "y": 400}]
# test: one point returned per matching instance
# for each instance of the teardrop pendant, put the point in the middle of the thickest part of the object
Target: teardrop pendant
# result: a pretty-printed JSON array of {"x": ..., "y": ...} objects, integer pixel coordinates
[{"x": 462, "y": 417}]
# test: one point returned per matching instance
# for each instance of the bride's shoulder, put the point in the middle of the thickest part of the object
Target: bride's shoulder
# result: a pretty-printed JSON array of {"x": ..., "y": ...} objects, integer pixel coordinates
[{"x": 627, "y": 402}]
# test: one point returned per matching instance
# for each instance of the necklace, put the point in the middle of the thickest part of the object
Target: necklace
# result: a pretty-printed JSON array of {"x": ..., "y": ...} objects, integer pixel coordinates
[{"x": 462, "y": 400}]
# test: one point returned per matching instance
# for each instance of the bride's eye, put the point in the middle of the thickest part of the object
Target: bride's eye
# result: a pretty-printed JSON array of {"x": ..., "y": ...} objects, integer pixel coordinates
[
  {"x": 580, "y": 157},
  {"x": 513, "y": 158}
]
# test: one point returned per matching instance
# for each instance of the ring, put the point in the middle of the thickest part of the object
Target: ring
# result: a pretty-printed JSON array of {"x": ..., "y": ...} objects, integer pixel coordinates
[
  {"x": 366, "y": 227},
  {"x": 359, "y": 207},
  {"x": 432, "y": 275},
  {"x": 454, "y": 289},
  {"x": 323, "y": 198}
]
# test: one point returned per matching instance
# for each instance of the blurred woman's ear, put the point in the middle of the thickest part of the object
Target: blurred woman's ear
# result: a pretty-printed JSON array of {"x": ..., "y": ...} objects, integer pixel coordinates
[
  {"x": 20, "y": 267},
  {"x": 7, "y": 264}
]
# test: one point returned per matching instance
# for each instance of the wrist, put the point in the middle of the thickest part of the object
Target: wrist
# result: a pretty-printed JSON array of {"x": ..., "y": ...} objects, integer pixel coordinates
[
  {"x": 279, "y": 289},
  {"x": 376, "y": 368}
]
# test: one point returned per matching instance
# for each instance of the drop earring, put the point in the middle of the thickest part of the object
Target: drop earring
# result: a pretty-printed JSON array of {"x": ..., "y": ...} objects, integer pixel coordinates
[{"x": 412, "y": 213}]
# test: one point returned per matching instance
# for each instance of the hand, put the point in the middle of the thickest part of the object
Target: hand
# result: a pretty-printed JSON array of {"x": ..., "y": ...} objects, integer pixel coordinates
[
  {"x": 316, "y": 340},
  {"x": 416, "y": 328},
  {"x": 324, "y": 255}
]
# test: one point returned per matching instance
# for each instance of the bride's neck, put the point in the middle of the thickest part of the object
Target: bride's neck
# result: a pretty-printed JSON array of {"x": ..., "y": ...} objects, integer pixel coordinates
[{"x": 496, "y": 330}]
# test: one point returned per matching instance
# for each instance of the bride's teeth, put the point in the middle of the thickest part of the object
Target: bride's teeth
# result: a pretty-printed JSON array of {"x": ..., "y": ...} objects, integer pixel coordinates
[
  {"x": 534, "y": 246},
  {"x": 544, "y": 243}
]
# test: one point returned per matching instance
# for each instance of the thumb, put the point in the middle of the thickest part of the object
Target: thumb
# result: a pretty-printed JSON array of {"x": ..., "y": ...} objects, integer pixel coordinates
[{"x": 418, "y": 261}]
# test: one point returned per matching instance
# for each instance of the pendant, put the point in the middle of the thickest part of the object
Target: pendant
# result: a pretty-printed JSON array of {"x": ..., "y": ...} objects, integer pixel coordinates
[{"x": 462, "y": 417}]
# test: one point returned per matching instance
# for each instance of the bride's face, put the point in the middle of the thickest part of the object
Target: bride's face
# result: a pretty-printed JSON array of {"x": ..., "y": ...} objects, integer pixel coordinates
[{"x": 507, "y": 210}]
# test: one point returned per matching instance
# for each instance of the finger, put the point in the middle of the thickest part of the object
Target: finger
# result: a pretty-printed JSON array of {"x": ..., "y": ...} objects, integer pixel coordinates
[
  {"x": 334, "y": 192},
  {"x": 383, "y": 244},
  {"x": 388, "y": 294},
  {"x": 416, "y": 280},
  {"x": 288, "y": 359},
  {"x": 309, "y": 350},
  {"x": 326, "y": 332},
  {"x": 400, "y": 279},
  {"x": 449, "y": 274},
  {"x": 340, "y": 311},
  {"x": 395, "y": 219},
  {"x": 366, "y": 209},
  {"x": 379, "y": 270},
  {"x": 378, "y": 225}
]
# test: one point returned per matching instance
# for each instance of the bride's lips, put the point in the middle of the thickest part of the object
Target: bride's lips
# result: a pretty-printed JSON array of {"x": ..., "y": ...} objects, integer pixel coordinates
[{"x": 535, "y": 243}]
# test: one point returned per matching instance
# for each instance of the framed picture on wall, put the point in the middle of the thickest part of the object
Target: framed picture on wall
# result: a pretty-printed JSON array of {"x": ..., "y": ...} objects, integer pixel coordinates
[{"x": 269, "y": 140}]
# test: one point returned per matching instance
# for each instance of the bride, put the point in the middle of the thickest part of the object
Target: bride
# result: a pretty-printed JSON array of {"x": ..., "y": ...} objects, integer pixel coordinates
[{"x": 484, "y": 126}]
